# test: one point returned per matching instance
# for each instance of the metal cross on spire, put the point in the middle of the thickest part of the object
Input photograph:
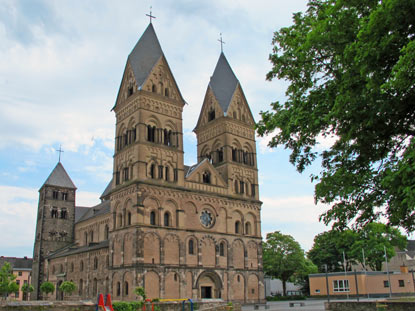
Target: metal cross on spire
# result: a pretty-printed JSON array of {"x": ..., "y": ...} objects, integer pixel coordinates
[
  {"x": 60, "y": 151},
  {"x": 221, "y": 43},
  {"x": 149, "y": 15}
]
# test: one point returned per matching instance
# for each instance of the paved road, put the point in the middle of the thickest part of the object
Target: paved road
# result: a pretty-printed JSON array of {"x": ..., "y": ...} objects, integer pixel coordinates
[{"x": 310, "y": 305}]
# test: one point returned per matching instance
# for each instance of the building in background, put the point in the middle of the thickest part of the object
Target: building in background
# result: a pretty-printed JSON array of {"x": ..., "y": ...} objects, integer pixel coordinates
[
  {"x": 22, "y": 269},
  {"x": 179, "y": 231},
  {"x": 366, "y": 284}
]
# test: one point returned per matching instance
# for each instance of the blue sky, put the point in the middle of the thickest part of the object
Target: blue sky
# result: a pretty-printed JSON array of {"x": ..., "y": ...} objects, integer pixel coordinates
[{"x": 61, "y": 64}]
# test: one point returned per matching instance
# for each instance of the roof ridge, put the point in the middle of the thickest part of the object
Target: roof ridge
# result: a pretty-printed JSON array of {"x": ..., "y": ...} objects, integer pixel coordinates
[{"x": 59, "y": 177}]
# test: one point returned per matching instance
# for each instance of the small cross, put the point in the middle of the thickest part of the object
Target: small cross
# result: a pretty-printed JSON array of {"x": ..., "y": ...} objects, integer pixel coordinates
[
  {"x": 149, "y": 15},
  {"x": 60, "y": 151},
  {"x": 221, "y": 43}
]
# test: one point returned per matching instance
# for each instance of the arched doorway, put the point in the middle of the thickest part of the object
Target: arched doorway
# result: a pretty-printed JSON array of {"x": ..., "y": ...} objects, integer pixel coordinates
[
  {"x": 209, "y": 285},
  {"x": 59, "y": 293}
]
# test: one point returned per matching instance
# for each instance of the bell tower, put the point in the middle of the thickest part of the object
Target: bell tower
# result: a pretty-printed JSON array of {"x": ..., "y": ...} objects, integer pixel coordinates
[
  {"x": 55, "y": 221},
  {"x": 225, "y": 132},
  {"x": 149, "y": 105}
]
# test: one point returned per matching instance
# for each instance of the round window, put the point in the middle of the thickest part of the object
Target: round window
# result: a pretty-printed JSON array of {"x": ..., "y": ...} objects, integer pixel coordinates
[{"x": 207, "y": 219}]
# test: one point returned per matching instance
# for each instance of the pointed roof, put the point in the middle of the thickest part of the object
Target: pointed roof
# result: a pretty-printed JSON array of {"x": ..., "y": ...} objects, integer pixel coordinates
[
  {"x": 59, "y": 177},
  {"x": 223, "y": 82},
  {"x": 145, "y": 55}
]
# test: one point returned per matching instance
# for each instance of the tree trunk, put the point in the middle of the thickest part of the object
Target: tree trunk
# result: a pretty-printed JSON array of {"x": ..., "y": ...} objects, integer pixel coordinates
[{"x": 284, "y": 287}]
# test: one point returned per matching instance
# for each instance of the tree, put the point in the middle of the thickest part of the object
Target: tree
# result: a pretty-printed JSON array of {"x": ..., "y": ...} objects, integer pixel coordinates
[
  {"x": 7, "y": 280},
  {"x": 27, "y": 288},
  {"x": 354, "y": 83},
  {"x": 47, "y": 288},
  {"x": 375, "y": 238},
  {"x": 301, "y": 276},
  {"x": 67, "y": 287},
  {"x": 282, "y": 257},
  {"x": 328, "y": 249}
]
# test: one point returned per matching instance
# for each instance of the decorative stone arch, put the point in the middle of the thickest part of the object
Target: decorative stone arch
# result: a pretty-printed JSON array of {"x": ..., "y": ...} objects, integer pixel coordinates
[
  {"x": 128, "y": 249},
  {"x": 207, "y": 246},
  {"x": 128, "y": 208},
  {"x": 116, "y": 285},
  {"x": 127, "y": 291},
  {"x": 153, "y": 120},
  {"x": 238, "y": 285},
  {"x": 172, "y": 285},
  {"x": 152, "y": 248},
  {"x": 171, "y": 206},
  {"x": 152, "y": 284},
  {"x": 253, "y": 288},
  {"x": 206, "y": 279},
  {"x": 252, "y": 254},
  {"x": 171, "y": 243},
  {"x": 237, "y": 216},
  {"x": 236, "y": 144},
  {"x": 151, "y": 204},
  {"x": 252, "y": 219},
  {"x": 205, "y": 152},
  {"x": 238, "y": 251},
  {"x": 195, "y": 244}
]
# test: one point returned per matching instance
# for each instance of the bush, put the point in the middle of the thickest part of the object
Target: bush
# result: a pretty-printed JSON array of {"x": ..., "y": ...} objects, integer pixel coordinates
[
  {"x": 126, "y": 306},
  {"x": 47, "y": 288},
  {"x": 68, "y": 287}
]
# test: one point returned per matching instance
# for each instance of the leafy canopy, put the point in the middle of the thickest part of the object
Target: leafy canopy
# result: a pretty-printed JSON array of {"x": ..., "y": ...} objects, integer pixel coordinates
[
  {"x": 283, "y": 258},
  {"x": 27, "y": 288},
  {"x": 350, "y": 65},
  {"x": 68, "y": 287},
  {"x": 366, "y": 246},
  {"x": 47, "y": 287},
  {"x": 7, "y": 280}
]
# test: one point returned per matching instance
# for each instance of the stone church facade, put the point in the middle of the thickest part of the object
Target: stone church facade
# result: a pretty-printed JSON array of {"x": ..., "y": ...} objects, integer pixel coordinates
[{"x": 179, "y": 231}]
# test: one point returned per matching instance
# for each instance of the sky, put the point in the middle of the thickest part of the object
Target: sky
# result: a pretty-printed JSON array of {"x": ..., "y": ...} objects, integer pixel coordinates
[{"x": 61, "y": 64}]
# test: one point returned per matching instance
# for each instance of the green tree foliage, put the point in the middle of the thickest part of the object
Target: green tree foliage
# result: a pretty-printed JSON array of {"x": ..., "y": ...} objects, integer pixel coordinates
[
  {"x": 47, "y": 288},
  {"x": 67, "y": 287},
  {"x": 374, "y": 239},
  {"x": 27, "y": 288},
  {"x": 328, "y": 249},
  {"x": 329, "y": 246},
  {"x": 350, "y": 65},
  {"x": 282, "y": 257},
  {"x": 7, "y": 280}
]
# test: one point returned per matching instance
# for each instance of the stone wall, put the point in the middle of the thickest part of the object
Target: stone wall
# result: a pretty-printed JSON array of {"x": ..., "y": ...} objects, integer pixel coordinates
[
  {"x": 90, "y": 306},
  {"x": 370, "y": 306}
]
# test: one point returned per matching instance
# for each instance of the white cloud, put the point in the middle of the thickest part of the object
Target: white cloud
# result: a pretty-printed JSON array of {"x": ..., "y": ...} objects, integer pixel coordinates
[
  {"x": 18, "y": 207},
  {"x": 89, "y": 199}
]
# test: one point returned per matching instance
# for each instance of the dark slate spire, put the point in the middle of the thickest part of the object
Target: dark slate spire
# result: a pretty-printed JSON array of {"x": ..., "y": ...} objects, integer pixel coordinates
[
  {"x": 59, "y": 178},
  {"x": 223, "y": 82},
  {"x": 145, "y": 55}
]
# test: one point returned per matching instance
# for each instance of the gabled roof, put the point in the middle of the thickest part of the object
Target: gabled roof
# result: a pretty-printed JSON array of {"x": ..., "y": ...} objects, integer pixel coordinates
[
  {"x": 100, "y": 209},
  {"x": 223, "y": 82},
  {"x": 60, "y": 178},
  {"x": 17, "y": 263},
  {"x": 107, "y": 190}
]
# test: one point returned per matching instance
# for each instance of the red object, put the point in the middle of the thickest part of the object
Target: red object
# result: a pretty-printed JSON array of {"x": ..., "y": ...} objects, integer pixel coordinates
[{"x": 108, "y": 302}]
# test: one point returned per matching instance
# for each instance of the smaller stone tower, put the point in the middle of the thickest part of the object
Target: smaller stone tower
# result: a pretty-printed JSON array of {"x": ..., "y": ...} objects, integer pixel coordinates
[{"x": 55, "y": 221}]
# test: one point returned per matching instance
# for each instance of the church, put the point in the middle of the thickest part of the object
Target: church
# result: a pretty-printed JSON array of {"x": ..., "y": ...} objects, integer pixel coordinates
[{"x": 179, "y": 231}]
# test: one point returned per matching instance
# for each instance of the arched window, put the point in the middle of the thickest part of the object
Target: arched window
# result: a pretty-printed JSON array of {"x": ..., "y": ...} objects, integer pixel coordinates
[
  {"x": 175, "y": 277},
  {"x": 206, "y": 177},
  {"x": 237, "y": 226},
  {"x": 81, "y": 266},
  {"x": 222, "y": 249},
  {"x": 248, "y": 228},
  {"x": 129, "y": 218},
  {"x": 86, "y": 238},
  {"x": 91, "y": 236},
  {"x": 54, "y": 212},
  {"x": 95, "y": 263},
  {"x": 211, "y": 115},
  {"x": 81, "y": 287},
  {"x": 153, "y": 171},
  {"x": 166, "y": 92},
  {"x": 191, "y": 247},
  {"x": 166, "y": 175},
  {"x": 118, "y": 289},
  {"x": 166, "y": 219},
  {"x": 126, "y": 288},
  {"x": 95, "y": 287},
  {"x": 154, "y": 90},
  {"x": 236, "y": 186},
  {"x": 71, "y": 266},
  {"x": 64, "y": 213},
  {"x": 119, "y": 220},
  {"x": 106, "y": 232},
  {"x": 153, "y": 218}
]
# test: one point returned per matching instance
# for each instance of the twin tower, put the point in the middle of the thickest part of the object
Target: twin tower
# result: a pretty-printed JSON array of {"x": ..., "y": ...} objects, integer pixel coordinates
[{"x": 179, "y": 231}]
